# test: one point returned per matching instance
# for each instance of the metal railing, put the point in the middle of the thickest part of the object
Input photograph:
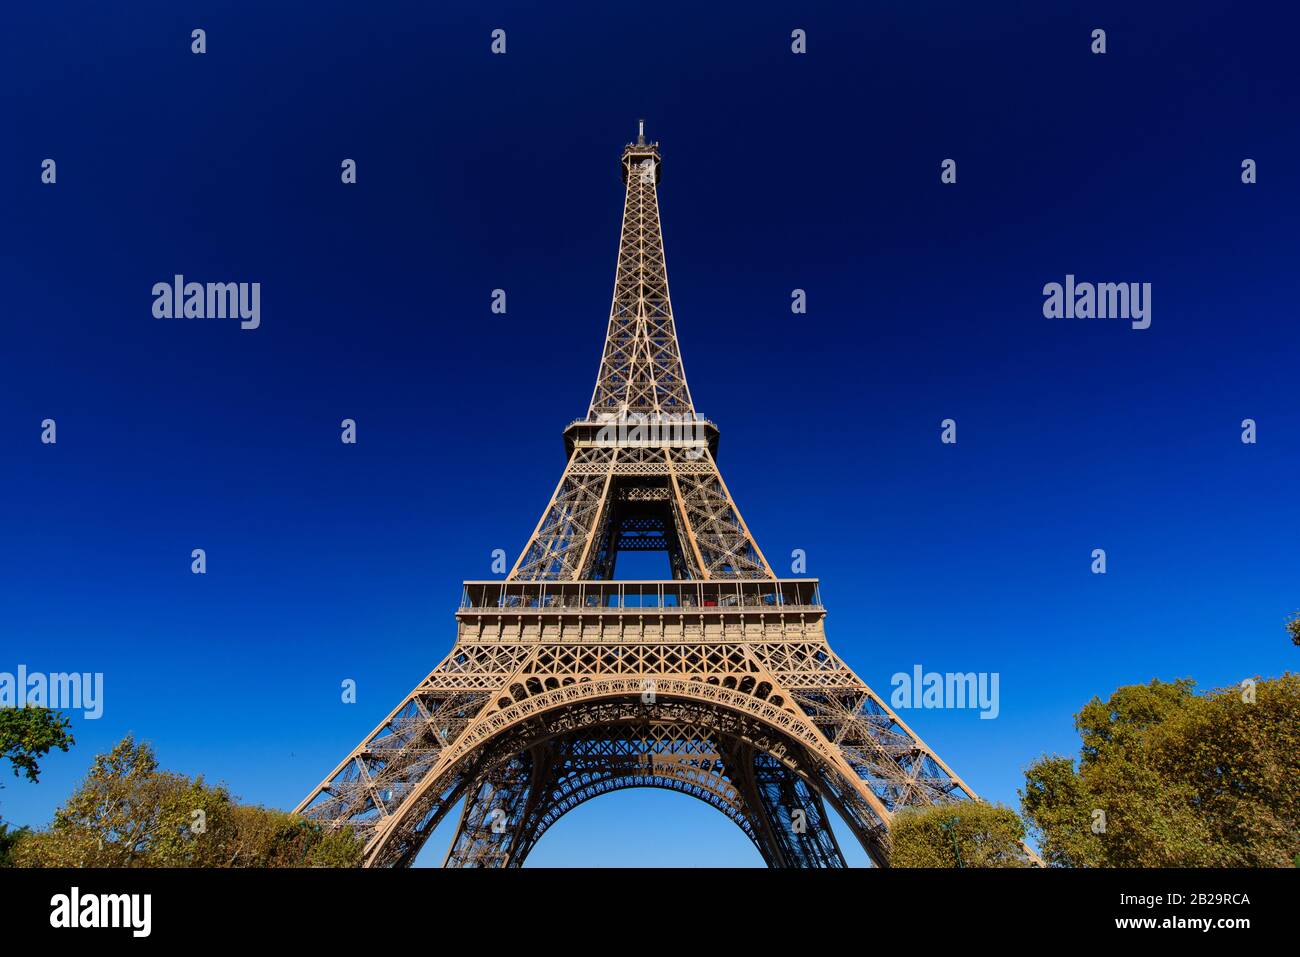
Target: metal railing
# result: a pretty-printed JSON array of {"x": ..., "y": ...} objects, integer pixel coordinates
[{"x": 732, "y": 595}]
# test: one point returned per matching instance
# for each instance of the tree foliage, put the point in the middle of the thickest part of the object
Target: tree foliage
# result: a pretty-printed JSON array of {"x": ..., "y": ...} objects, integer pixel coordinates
[
  {"x": 130, "y": 813},
  {"x": 967, "y": 834},
  {"x": 27, "y": 735},
  {"x": 1170, "y": 778},
  {"x": 9, "y": 838}
]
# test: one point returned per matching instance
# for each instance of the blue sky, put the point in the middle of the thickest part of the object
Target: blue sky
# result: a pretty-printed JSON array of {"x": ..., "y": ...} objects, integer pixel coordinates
[{"x": 476, "y": 172}]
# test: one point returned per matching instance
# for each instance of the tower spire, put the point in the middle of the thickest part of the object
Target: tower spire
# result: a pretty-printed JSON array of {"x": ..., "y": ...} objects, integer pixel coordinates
[{"x": 641, "y": 365}]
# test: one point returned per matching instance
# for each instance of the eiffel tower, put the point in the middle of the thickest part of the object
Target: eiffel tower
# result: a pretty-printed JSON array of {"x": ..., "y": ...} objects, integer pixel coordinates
[{"x": 565, "y": 683}]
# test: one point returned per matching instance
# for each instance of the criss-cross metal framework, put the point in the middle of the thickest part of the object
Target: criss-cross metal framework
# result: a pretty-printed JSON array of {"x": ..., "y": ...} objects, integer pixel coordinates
[{"x": 565, "y": 683}]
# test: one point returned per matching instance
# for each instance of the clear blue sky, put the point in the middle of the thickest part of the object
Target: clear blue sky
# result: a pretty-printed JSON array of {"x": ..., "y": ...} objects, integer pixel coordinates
[{"x": 820, "y": 172}]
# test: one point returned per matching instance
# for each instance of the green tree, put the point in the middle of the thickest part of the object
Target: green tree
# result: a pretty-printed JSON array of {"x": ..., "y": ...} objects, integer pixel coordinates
[
  {"x": 268, "y": 838},
  {"x": 966, "y": 834},
  {"x": 130, "y": 813},
  {"x": 1293, "y": 628},
  {"x": 1058, "y": 805},
  {"x": 1167, "y": 777},
  {"x": 9, "y": 839},
  {"x": 27, "y": 735}
]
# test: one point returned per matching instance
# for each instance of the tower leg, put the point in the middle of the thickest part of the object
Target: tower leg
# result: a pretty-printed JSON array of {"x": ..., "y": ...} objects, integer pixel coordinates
[
  {"x": 790, "y": 815},
  {"x": 492, "y": 814}
]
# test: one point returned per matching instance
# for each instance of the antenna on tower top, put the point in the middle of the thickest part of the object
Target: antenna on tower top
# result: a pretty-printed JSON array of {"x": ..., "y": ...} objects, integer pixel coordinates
[{"x": 640, "y": 132}]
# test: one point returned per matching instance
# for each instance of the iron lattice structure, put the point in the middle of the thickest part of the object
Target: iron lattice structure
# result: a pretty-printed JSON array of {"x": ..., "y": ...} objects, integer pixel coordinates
[{"x": 565, "y": 684}]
